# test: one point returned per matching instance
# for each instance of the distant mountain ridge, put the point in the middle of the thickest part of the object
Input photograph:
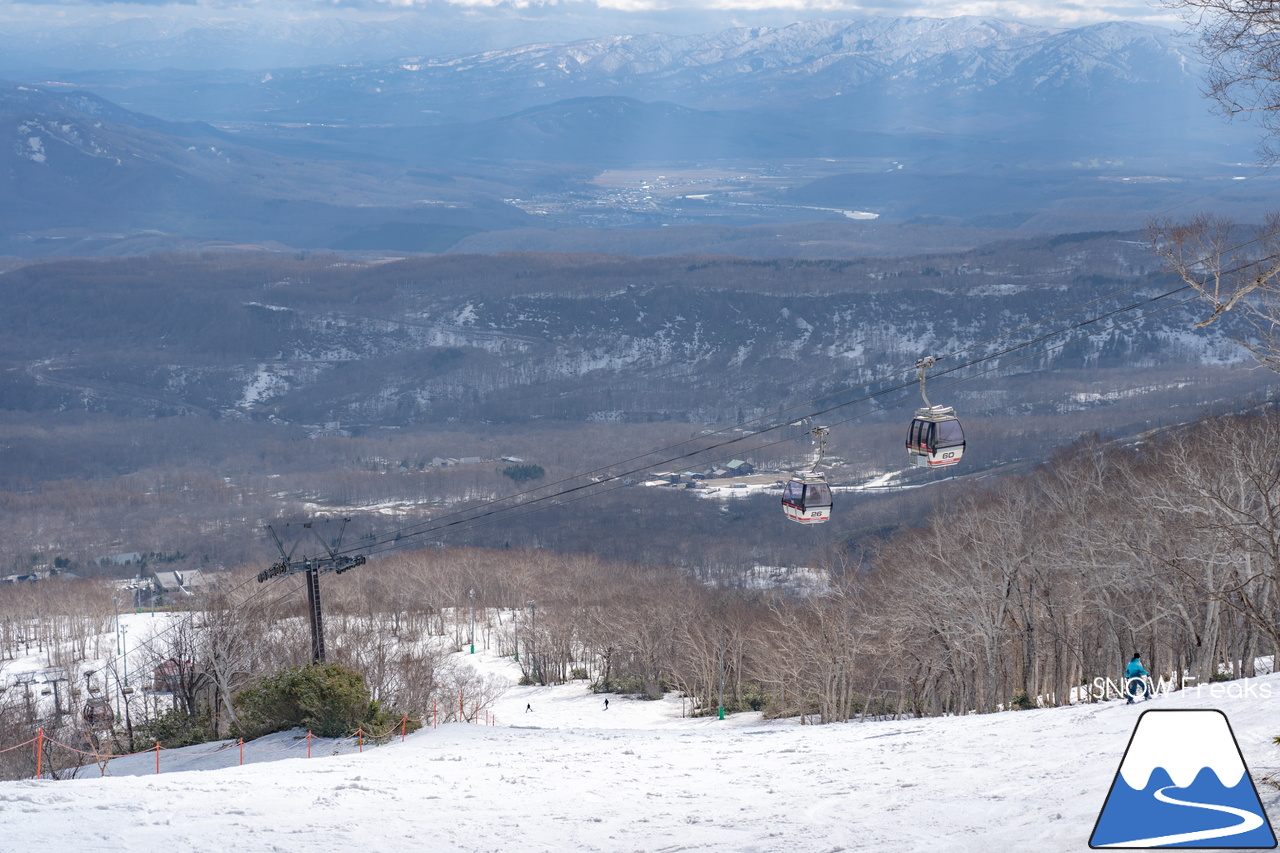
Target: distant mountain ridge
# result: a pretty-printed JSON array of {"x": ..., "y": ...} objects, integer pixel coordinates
[
  {"x": 260, "y": 42},
  {"x": 806, "y": 62},
  {"x": 968, "y": 122},
  {"x": 76, "y": 169}
]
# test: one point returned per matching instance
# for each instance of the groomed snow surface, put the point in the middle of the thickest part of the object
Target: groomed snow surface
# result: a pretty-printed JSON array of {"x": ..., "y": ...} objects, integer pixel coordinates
[{"x": 571, "y": 776}]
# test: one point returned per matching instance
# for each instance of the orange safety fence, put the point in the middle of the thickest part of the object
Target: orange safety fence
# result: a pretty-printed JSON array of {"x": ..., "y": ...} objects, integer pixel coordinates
[
  {"x": 19, "y": 746},
  {"x": 43, "y": 742}
]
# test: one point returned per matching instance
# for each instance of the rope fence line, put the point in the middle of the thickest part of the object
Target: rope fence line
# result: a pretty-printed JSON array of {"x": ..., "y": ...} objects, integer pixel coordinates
[
  {"x": 42, "y": 743},
  {"x": 19, "y": 746}
]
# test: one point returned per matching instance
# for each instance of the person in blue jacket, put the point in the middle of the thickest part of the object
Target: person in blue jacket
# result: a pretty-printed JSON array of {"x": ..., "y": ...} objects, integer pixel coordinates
[{"x": 1135, "y": 679}]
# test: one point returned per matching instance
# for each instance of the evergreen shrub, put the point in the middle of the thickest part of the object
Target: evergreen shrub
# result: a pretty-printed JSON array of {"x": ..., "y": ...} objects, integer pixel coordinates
[{"x": 327, "y": 699}]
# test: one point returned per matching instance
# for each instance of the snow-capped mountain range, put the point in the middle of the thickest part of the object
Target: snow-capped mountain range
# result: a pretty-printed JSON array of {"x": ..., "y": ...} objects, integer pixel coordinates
[
  {"x": 962, "y": 54},
  {"x": 869, "y": 64}
]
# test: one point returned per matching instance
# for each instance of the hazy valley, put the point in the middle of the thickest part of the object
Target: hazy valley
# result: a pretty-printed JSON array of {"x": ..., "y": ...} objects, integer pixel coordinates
[{"x": 746, "y": 141}]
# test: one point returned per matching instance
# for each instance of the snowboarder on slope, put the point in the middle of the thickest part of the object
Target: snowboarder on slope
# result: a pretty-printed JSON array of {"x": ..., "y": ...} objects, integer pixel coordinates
[
  {"x": 1135, "y": 679},
  {"x": 606, "y": 704}
]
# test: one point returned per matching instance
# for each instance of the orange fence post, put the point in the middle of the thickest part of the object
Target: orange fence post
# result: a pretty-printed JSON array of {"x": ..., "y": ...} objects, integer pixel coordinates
[
  {"x": 157, "y": 758},
  {"x": 39, "y": 751},
  {"x": 476, "y": 716},
  {"x": 242, "y": 752},
  {"x": 404, "y": 721},
  {"x": 308, "y": 743},
  {"x": 360, "y": 736}
]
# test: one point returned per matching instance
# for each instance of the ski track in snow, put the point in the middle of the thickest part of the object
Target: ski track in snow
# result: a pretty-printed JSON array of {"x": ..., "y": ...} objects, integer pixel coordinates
[{"x": 638, "y": 777}]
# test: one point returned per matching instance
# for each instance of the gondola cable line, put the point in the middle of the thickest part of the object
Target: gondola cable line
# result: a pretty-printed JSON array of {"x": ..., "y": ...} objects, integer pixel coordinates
[
  {"x": 442, "y": 533},
  {"x": 410, "y": 530},
  {"x": 424, "y": 535},
  {"x": 775, "y": 413}
]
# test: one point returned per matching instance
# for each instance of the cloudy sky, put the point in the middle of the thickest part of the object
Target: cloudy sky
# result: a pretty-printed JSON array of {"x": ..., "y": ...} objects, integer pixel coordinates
[{"x": 1060, "y": 12}]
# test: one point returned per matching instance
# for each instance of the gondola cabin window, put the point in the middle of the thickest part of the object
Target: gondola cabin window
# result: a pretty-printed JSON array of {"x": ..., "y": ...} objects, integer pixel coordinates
[{"x": 949, "y": 434}]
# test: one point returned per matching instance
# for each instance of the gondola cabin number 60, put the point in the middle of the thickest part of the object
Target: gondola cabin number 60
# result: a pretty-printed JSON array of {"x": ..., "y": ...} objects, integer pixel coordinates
[{"x": 935, "y": 438}]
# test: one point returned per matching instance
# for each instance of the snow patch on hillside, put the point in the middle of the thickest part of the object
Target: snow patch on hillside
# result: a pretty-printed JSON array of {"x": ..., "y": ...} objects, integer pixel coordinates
[{"x": 265, "y": 384}]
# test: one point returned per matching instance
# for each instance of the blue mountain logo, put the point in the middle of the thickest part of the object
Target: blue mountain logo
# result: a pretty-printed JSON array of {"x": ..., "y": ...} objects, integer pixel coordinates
[{"x": 1183, "y": 783}]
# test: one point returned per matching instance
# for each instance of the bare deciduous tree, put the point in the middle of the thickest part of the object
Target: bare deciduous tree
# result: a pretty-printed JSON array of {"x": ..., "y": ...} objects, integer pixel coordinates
[
  {"x": 1233, "y": 268},
  {"x": 1240, "y": 39}
]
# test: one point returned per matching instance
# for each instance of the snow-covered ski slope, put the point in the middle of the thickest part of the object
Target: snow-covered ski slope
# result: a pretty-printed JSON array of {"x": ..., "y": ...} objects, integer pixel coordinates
[{"x": 572, "y": 776}]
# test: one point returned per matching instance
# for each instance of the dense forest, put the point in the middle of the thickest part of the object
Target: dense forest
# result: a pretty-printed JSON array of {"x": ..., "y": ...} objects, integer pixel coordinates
[
  {"x": 518, "y": 337},
  {"x": 174, "y": 404}
]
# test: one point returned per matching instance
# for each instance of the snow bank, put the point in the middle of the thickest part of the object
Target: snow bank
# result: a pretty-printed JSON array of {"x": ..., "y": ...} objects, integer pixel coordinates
[{"x": 570, "y": 775}]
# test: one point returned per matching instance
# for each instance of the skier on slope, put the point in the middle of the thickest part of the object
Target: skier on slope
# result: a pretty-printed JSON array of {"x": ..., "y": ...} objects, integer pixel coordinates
[{"x": 1135, "y": 679}]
